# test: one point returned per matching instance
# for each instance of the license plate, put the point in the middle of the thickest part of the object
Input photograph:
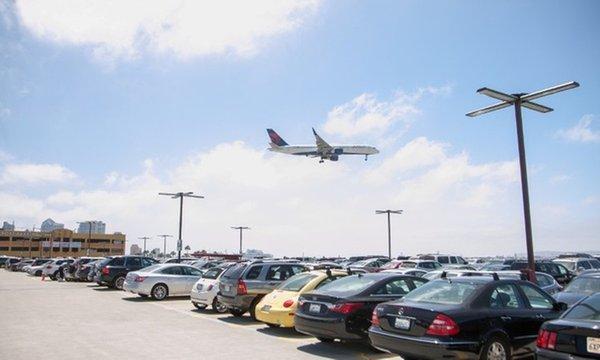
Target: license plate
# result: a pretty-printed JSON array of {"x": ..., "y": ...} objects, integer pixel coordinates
[
  {"x": 402, "y": 324},
  {"x": 314, "y": 308},
  {"x": 266, "y": 308},
  {"x": 593, "y": 345},
  {"x": 227, "y": 288}
]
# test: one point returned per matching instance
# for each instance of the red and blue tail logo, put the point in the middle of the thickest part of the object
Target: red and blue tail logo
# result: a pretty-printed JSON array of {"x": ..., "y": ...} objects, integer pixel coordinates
[{"x": 275, "y": 138}]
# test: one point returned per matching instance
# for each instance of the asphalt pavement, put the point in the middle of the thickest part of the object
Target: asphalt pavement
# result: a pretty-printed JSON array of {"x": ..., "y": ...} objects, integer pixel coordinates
[{"x": 63, "y": 320}]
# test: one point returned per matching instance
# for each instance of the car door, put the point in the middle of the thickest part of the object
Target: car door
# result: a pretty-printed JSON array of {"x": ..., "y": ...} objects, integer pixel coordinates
[
  {"x": 192, "y": 275},
  {"x": 174, "y": 278},
  {"x": 541, "y": 308},
  {"x": 133, "y": 264}
]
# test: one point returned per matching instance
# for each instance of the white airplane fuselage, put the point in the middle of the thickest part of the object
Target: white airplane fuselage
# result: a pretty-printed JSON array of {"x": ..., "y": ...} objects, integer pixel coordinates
[{"x": 311, "y": 150}]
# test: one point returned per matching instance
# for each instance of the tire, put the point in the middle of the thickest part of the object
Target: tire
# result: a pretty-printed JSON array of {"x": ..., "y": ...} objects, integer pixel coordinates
[
  {"x": 236, "y": 312},
  {"x": 325, "y": 340},
  {"x": 199, "y": 306},
  {"x": 273, "y": 325},
  {"x": 118, "y": 282},
  {"x": 252, "y": 309},
  {"x": 143, "y": 295},
  {"x": 38, "y": 273},
  {"x": 495, "y": 348},
  {"x": 160, "y": 292},
  {"x": 218, "y": 307}
]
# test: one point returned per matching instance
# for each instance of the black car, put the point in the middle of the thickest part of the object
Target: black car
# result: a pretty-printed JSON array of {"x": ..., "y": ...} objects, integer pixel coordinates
[
  {"x": 558, "y": 271},
  {"x": 342, "y": 309},
  {"x": 464, "y": 318},
  {"x": 576, "y": 335},
  {"x": 583, "y": 285},
  {"x": 114, "y": 271}
]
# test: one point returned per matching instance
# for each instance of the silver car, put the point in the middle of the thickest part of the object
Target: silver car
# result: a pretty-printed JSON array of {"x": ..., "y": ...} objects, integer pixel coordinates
[{"x": 162, "y": 280}]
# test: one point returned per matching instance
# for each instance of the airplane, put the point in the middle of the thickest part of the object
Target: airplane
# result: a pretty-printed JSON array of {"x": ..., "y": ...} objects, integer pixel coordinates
[{"x": 322, "y": 148}]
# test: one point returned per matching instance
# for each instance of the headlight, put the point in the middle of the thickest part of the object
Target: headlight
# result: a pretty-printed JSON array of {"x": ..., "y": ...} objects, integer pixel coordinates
[{"x": 199, "y": 287}]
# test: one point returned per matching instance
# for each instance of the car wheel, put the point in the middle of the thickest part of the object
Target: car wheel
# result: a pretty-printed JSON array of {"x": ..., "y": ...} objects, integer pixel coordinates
[
  {"x": 253, "y": 307},
  {"x": 218, "y": 307},
  {"x": 143, "y": 295},
  {"x": 325, "y": 340},
  {"x": 160, "y": 292},
  {"x": 273, "y": 325},
  {"x": 236, "y": 312},
  {"x": 118, "y": 282},
  {"x": 495, "y": 349}
]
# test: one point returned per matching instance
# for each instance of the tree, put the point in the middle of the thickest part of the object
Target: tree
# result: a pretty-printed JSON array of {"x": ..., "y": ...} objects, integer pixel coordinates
[{"x": 187, "y": 248}]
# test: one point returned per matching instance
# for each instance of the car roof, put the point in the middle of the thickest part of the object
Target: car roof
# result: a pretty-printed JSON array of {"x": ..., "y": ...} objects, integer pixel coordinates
[{"x": 590, "y": 274}]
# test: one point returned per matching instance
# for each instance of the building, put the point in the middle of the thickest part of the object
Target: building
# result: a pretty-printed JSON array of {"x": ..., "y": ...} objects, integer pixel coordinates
[
  {"x": 98, "y": 227},
  {"x": 50, "y": 225},
  {"x": 7, "y": 226},
  {"x": 60, "y": 243},
  {"x": 135, "y": 250}
]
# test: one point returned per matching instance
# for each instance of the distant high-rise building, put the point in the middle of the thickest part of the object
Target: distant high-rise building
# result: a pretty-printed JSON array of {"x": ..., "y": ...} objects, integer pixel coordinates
[
  {"x": 7, "y": 226},
  {"x": 134, "y": 249},
  {"x": 98, "y": 227},
  {"x": 50, "y": 225}
]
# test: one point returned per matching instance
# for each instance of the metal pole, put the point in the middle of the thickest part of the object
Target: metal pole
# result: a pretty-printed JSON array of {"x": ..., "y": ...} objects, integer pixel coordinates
[
  {"x": 389, "y": 236},
  {"x": 524, "y": 187},
  {"x": 144, "y": 246},
  {"x": 179, "y": 244},
  {"x": 240, "y": 240},
  {"x": 164, "y": 246}
]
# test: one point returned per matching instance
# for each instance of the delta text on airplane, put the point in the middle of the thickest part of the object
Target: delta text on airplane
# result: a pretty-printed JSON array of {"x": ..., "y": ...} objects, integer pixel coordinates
[{"x": 321, "y": 149}]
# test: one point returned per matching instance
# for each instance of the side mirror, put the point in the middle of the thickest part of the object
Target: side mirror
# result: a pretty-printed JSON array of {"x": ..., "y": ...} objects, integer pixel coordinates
[{"x": 560, "y": 306}]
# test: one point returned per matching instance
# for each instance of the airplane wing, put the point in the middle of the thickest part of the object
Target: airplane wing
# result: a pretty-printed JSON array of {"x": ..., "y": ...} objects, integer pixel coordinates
[{"x": 322, "y": 146}]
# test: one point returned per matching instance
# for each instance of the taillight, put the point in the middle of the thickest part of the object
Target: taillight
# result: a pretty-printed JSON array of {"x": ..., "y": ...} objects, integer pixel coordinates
[
  {"x": 105, "y": 271},
  {"x": 375, "y": 318},
  {"x": 346, "y": 308},
  {"x": 241, "y": 287},
  {"x": 546, "y": 339},
  {"x": 443, "y": 325},
  {"x": 288, "y": 303},
  {"x": 140, "y": 278}
]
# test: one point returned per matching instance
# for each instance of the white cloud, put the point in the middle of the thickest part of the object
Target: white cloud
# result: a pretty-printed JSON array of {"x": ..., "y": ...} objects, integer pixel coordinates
[
  {"x": 186, "y": 28},
  {"x": 582, "y": 132},
  {"x": 366, "y": 114},
  {"x": 35, "y": 174},
  {"x": 560, "y": 179}
]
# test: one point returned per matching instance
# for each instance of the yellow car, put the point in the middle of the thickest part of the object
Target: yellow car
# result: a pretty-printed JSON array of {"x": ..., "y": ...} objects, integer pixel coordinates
[{"x": 279, "y": 306}]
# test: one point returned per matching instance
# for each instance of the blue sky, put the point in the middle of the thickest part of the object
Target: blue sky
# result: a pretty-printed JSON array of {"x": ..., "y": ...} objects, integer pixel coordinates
[{"x": 103, "y": 115}]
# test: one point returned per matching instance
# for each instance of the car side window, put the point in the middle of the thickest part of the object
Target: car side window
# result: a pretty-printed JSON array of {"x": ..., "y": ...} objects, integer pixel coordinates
[
  {"x": 442, "y": 259},
  {"x": 192, "y": 271},
  {"x": 146, "y": 262},
  {"x": 584, "y": 264},
  {"x": 418, "y": 282},
  {"x": 279, "y": 272},
  {"x": 134, "y": 262},
  {"x": 117, "y": 262},
  {"x": 595, "y": 264},
  {"x": 395, "y": 287},
  {"x": 254, "y": 272},
  {"x": 562, "y": 270},
  {"x": 536, "y": 298},
  {"x": 543, "y": 280},
  {"x": 327, "y": 281},
  {"x": 453, "y": 260},
  {"x": 461, "y": 260},
  {"x": 297, "y": 269},
  {"x": 504, "y": 297},
  {"x": 173, "y": 270}
]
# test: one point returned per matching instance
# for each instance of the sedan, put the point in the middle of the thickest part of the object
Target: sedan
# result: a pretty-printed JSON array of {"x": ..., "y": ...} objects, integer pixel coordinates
[
  {"x": 342, "y": 309},
  {"x": 576, "y": 335},
  {"x": 579, "y": 288},
  {"x": 162, "y": 280},
  {"x": 466, "y": 318}
]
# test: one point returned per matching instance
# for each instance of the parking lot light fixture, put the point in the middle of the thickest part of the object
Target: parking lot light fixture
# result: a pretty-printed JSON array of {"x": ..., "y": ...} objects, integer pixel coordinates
[
  {"x": 241, "y": 229},
  {"x": 144, "y": 238},
  {"x": 522, "y": 100},
  {"x": 180, "y": 196},
  {"x": 389, "y": 212},
  {"x": 164, "y": 243}
]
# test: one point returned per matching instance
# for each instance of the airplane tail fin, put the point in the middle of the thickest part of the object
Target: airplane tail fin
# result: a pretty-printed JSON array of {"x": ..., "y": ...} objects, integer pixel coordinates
[{"x": 275, "y": 138}]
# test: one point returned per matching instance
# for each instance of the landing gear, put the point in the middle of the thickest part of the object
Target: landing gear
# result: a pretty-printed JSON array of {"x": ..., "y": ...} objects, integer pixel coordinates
[
  {"x": 366, "y": 157},
  {"x": 321, "y": 161}
]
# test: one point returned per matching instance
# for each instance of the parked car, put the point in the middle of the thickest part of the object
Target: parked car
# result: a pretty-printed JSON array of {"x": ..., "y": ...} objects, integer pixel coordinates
[
  {"x": 444, "y": 260},
  {"x": 114, "y": 271},
  {"x": 342, "y": 309},
  {"x": 279, "y": 306},
  {"x": 10, "y": 261},
  {"x": 174, "y": 260},
  {"x": 479, "y": 317},
  {"x": 96, "y": 270},
  {"x": 204, "y": 265},
  {"x": 51, "y": 268},
  {"x": 19, "y": 265},
  {"x": 37, "y": 267},
  {"x": 82, "y": 273},
  {"x": 242, "y": 286},
  {"x": 575, "y": 335},
  {"x": 205, "y": 290},
  {"x": 71, "y": 269},
  {"x": 578, "y": 265},
  {"x": 407, "y": 271},
  {"x": 579, "y": 288},
  {"x": 162, "y": 280},
  {"x": 427, "y": 265},
  {"x": 369, "y": 265},
  {"x": 558, "y": 271}
]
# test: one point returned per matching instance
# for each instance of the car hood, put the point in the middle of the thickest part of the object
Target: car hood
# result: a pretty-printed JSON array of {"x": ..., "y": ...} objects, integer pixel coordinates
[{"x": 569, "y": 298}]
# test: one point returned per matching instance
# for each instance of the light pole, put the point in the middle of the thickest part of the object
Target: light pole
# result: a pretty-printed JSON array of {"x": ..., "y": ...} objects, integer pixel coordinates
[
  {"x": 241, "y": 229},
  {"x": 389, "y": 212},
  {"x": 164, "y": 243},
  {"x": 144, "y": 238},
  {"x": 520, "y": 100},
  {"x": 181, "y": 195}
]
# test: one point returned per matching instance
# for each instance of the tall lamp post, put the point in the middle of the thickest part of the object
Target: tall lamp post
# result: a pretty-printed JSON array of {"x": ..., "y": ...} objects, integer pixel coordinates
[
  {"x": 144, "y": 238},
  {"x": 389, "y": 212},
  {"x": 241, "y": 229},
  {"x": 180, "y": 196},
  {"x": 164, "y": 243},
  {"x": 520, "y": 100}
]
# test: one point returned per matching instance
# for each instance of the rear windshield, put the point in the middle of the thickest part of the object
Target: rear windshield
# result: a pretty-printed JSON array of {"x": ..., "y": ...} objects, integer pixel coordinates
[
  {"x": 348, "y": 285},
  {"x": 586, "y": 285},
  {"x": 409, "y": 264},
  {"x": 586, "y": 310},
  {"x": 212, "y": 273},
  {"x": 442, "y": 292},
  {"x": 235, "y": 271},
  {"x": 297, "y": 282}
]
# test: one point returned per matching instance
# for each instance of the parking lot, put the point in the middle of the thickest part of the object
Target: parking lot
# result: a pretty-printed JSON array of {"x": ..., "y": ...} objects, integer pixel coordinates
[{"x": 53, "y": 320}]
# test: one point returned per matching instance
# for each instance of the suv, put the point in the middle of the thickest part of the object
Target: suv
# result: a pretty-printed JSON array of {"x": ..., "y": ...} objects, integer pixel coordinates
[
  {"x": 558, "y": 271},
  {"x": 427, "y": 265},
  {"x": 51, "y": 268},
  {"x": 578, "y": 264},
  {"x": 445, "y": 260},
  {"x": 242, "y": 286},
  {"x": 115, "y": 270}
]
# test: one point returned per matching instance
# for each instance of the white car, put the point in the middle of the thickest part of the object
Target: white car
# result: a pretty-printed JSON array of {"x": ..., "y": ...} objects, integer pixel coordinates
[
  {"x": 162, "y": 280},
  {"x": 37, "y": 267},
  {"x": 204, "y": 292},
  {"x": 51, "y": 268}
]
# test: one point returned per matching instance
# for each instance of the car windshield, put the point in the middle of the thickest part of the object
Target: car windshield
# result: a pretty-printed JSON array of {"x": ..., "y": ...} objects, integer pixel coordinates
[
  {"x": 348, "y": 285},
  {"x": 588, "y": 309},
  {"x": 361, "y": 263},
  {"x": 409, "y": 264},
  {"x": 568, "y": 264},
  {"x": 586, "y": 285},
  {"x": 297, "y": 282},
  {"x": 442, "y": 292},
  {"x": 212, "y": 273}
]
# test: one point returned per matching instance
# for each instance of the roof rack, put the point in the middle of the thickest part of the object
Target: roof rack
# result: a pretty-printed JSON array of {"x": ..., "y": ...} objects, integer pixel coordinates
[
  {"x": 443, "y": 275},
  {"x": 495, "y": 276}
]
